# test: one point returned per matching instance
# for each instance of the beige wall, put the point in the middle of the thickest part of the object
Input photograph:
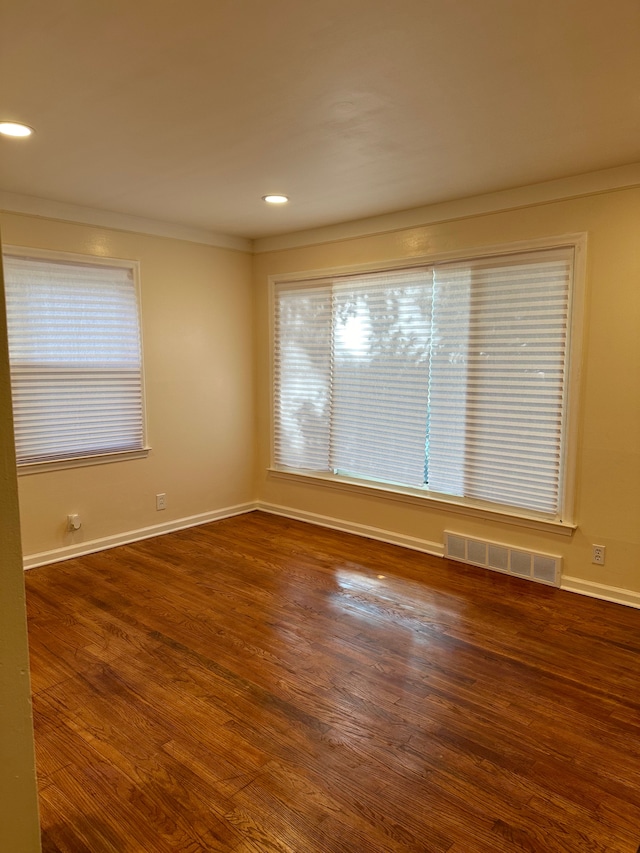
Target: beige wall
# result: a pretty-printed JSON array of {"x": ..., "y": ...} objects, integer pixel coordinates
[
  {"x": 197, "y": 336},
  {"x": 19, "y": 830},
  {"x": 607, "y": 507}
]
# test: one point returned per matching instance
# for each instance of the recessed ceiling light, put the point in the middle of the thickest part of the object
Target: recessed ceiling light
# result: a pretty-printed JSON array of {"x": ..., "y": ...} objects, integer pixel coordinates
[
  {"x": 275, "y": 199},
  {"x": 15, "y": 128}
]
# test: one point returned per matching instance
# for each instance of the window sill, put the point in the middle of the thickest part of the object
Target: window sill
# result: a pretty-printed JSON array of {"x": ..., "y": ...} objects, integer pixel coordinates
[
  {"x": 81, "y": 461},
  {"x": 420, "y": 498}
]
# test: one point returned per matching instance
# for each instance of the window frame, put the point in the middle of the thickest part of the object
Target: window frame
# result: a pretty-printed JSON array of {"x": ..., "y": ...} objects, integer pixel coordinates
[
  {"x": 27, "y": 468},
  {"x": 564, "y": 523}
]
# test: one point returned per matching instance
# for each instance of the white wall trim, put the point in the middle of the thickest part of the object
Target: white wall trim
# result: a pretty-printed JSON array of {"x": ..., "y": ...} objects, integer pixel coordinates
[
  {"x": 576, "y": 186},
  {"x": 80, "y": 549},
  {"x": 569, "y": 584},
  {"x": 602, "y": 591},
  {"x": 432, "y": 500},
  {"x": 49, "y": 209},
  {"x": 436, "y": 549}
]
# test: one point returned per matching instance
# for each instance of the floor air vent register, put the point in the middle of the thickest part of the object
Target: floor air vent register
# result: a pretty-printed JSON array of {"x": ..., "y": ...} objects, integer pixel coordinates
[{"x": 543, "y": 568}]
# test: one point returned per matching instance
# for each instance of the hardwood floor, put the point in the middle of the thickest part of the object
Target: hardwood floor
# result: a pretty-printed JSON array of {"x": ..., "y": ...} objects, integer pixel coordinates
[{"x": 259, "y": 685}]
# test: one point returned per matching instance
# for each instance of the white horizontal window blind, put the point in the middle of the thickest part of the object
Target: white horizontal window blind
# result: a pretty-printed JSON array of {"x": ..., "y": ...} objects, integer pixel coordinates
[
  {"x": 75, "y": 355},
  {"x": 498, "y": 374},
  {"x": 302, "y": 357},
  {"x": 381, "y": 336},
  {"x": 450, "y": 378},
  {"x": 352, "y": 368}
]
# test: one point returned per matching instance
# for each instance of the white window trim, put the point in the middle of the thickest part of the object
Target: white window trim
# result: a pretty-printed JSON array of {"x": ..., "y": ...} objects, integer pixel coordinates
[
  {"x": 27, "y": 468},
  {"x": 567, "y": 522},
  {"x": 418, "y": 497}
]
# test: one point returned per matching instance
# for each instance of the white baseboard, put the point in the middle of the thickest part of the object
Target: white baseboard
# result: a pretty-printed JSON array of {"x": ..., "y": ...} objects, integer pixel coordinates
[
  {"x": 569, "y": 584},
  {"x": 377, "y": 533},
  {"x": 601, "y": 591},
  {"x": 80, "y": 549}
]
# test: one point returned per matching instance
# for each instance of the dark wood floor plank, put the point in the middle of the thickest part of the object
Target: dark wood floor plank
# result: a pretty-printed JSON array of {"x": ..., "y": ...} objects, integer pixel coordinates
[{"x": 258, "y": 684}]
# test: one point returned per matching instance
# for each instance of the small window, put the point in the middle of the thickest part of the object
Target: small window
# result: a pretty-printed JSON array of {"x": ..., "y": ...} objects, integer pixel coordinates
[
  {"x": 75, "y": 357},
  {"x": 450, "y": 378}
]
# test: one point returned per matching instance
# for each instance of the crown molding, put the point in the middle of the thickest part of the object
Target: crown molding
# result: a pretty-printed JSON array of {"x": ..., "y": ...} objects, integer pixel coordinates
[
  {"x": 49, "y": 209},
  {"x": 576, "y": 186},
  {"x": 593, "y": 183}
]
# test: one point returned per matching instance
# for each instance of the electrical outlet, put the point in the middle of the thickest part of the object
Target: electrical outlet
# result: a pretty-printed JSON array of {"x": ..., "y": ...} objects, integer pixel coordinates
[
  {"x": 161, "y": 501},
  {"x": 73, "y": 522},
  {"x": 597, "y": 555}
]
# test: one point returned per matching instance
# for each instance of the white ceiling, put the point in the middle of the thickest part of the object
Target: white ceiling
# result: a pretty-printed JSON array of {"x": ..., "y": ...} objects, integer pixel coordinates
[{"x": 188, "y": 111}]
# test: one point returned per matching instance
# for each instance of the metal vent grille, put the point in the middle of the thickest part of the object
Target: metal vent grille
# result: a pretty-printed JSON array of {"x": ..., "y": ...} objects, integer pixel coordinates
[
  {"x": 498, "y": 558},
  {"x": 543, "y": 568}
]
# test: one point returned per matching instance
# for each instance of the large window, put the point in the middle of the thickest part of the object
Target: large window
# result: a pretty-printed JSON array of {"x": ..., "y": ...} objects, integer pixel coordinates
[
  {"x": 75, "y": 355},
  {"x": 449, "y": 378}
]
